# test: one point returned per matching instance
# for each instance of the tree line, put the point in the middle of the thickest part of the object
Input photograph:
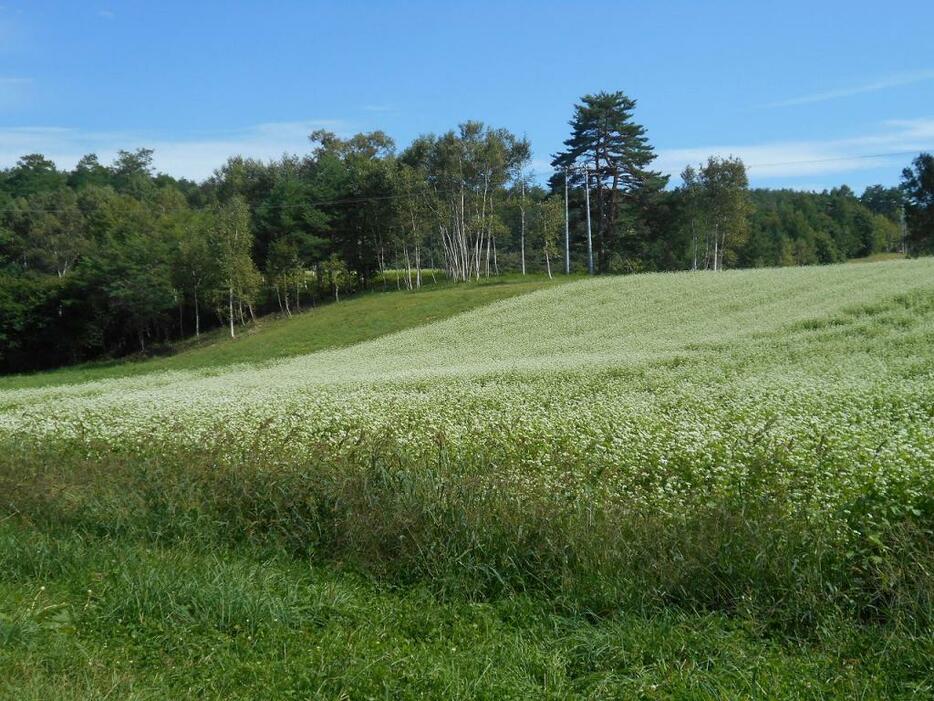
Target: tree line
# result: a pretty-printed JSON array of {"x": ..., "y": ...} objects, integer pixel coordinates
[{"x": 110, "y": 259}]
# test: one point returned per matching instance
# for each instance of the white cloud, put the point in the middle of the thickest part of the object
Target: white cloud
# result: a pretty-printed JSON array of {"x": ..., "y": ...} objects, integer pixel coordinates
[
  {"x": 14, "y": 91},
  {"x": 194, "y": 158},
  {"x": 541, "y": 168},
  {"x": 890, "y": 146},
  {"x": 106, "y": 14},
  {"x": 891, "y": 81}
]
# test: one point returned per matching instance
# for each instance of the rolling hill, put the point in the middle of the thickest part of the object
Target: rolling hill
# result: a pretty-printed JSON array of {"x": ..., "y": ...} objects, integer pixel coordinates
[{"x": 739, "y": 461}]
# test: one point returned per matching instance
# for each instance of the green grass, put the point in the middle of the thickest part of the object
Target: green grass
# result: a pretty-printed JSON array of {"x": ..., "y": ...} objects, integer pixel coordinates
[
  {"x": 876, "y": 257},
  {"x": 656, "y": 486},
  {"x": 85, "y": 617},
  {"x": 331, "y": 325}
]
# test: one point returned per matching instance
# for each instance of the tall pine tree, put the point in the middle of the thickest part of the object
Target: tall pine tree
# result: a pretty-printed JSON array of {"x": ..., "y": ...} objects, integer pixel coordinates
[{"x": 613, "y": 148}]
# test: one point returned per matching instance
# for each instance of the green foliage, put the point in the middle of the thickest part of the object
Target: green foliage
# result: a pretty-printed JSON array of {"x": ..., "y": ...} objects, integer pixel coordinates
[
  {"x": 467, "y": 173},
  {"x": 716, "y": 211},
  {"x": 918, "y": 189},
  {"x": 135, "y": 260},
  {"x": 550, "y": 216},
  {"x": 608, "y": 146},
  {"x": 672, "y": 486},
  {"x": 26, "y": 304},
  {"x": 735, "y": 459},
  {"x": 801, "y": 228},
  {"x": 335, "y": 274},
  {"x": 33, "y": 173},
  {"x": 360, "y": 318},
  {"x": 887, "y": 201},
  {"x": 85, "y": 616}
]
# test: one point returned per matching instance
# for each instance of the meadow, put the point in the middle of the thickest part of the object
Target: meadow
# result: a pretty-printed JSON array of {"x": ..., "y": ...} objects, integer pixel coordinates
[{"x": 665, "y": 486}]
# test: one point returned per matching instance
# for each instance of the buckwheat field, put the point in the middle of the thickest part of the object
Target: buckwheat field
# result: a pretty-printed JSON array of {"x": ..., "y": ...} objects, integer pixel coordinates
[{"x": 757, "y": 444}]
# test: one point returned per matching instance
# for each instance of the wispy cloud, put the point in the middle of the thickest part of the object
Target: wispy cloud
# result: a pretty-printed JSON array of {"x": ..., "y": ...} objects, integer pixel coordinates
[
  {"x": 890, "y": 145},
  {"x": 540, "y": 167},
  {"x": 193, "y": 157},
  {"x": 892, "y": 81},
  {"x": 106, "y": 14},
  {"x": 379, "y": 108},
  {"x": 197, "y": 155},
  {"x": 14, "y": 91}
]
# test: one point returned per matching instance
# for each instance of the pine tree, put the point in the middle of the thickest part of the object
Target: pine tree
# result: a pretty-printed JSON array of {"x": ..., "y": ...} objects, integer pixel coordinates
[{"x": 606, "y": 142}]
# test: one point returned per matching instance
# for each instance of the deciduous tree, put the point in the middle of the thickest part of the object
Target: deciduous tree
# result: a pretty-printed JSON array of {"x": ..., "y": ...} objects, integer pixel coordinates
[{"x": 918, "y": 187}]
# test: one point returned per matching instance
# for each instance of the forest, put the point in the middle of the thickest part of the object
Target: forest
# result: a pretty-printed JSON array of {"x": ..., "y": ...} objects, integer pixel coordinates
[{"x": 107, "y": 260}]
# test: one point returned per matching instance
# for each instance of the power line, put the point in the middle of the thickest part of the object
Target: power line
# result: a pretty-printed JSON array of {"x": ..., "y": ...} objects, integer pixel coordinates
[
  {"x": 320, "y": 203},
  {"x": 802, "y": 162},
  {"x": 836, "y": 158},
  {"x": 401, "y": 195}
]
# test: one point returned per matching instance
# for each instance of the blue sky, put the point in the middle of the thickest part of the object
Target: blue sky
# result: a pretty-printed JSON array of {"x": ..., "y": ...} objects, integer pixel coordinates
[{"x": 801, "y": 90}]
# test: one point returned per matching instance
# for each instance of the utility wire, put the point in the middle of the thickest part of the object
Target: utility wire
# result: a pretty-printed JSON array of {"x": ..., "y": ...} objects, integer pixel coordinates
[
  {"x": 802, "y": 162},
  {"x": 836, "y": 158},
  {"x": 401, "y": 195}
]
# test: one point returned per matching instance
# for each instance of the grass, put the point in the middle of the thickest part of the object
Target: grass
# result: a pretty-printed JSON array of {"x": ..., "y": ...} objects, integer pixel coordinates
[
  {"x": 657, "y": 486},
  {"x": 363, "y": 317},
  {"x": 88, "y": 618},
  {"x": 876, "y": 257}
]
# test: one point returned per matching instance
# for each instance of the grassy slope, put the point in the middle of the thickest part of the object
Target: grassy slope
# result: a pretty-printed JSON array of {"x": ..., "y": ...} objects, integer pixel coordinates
[
  {"x": 175, "y": 620},
  {"x": 621, "y": 322},
  {"x": 877, "y": 257},
  {"x": 357, "y": 319},
  {"x": 591, "y": 325}
]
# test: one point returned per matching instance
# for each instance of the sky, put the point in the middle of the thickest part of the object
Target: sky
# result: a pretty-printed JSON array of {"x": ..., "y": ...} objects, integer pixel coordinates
[{"x": 809, "y": 94}]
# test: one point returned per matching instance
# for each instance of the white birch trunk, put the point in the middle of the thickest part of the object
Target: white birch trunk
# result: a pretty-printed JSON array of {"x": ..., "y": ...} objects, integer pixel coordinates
[
  {"x": 197, "y": 316},
  {"x": 522, "y": 228},
  {"x": 230, "y": 310}
]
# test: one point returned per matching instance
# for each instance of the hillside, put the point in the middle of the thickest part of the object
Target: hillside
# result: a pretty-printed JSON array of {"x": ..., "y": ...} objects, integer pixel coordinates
[
  {"x": 736, "y": 464},
  {"x": 619, "y": 322},
  {"x": 331, "y": 325}
]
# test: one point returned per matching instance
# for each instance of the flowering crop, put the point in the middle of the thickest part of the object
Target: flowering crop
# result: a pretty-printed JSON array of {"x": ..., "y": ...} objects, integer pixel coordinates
[{"x": 811, "y": 389}]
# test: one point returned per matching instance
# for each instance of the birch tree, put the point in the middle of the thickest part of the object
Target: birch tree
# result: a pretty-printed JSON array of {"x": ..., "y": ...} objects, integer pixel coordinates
[
  {"x": 551, "y": 220},
  {"x": 335, "y": 274},
  {"x": 52, "y": 226},
  {"x": 238, "y": 278},
  {"x": 285, "y": 272},
  {"x": 522, "y": 207},
  {"x": 725, "y": 189},
  {"x": 691, "y": 190},
  {"x": 413, "y": 218},
  {"x": 195, "y": 267},
  {"x": 465, "y": 174}
]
